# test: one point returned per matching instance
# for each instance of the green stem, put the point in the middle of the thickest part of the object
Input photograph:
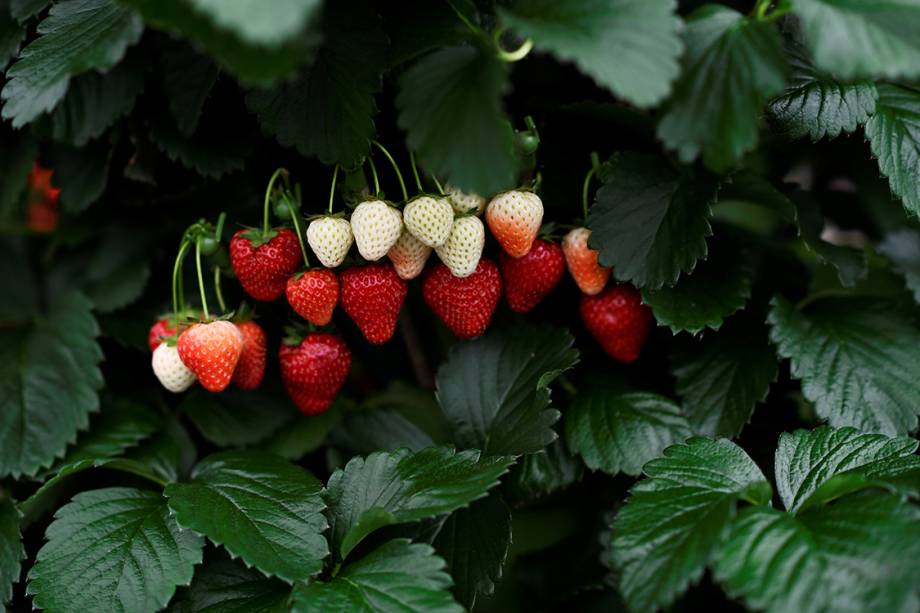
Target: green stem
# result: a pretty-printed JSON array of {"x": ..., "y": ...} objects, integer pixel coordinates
[
  {"x": 418, "y": 182},
  {"x": 511, "y": 56},
  {"x": 437, "y": 184},
  {"x": 370, "y": 163},
  {"x": 294, "y": 215},
  {"x": 595, "y": 164},
  {"x": 177, "y": 276},
  {"x": 220, "y": 295},
  {"x": 776, "y": 14},
  {"x": 463, "y": 18},
  {"x": 335, "y": 175},
  {"x": 268, "y": 197},
  {"x": 204, "y": 300},
  {"x": 402, "y": 184}
]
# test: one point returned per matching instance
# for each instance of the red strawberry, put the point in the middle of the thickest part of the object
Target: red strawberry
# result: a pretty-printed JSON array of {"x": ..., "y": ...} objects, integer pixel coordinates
[
  {"x": 314, "y": 370},
  {"x": 158, "y": 331},
  {"x": 464, "y": 305},
  {"x": 372, "y": 295},
  {"x": 251, "y": 368},
  {"x": 263, "y": 267},
  {"x": 313, "y": 295},
  {"x": 618, "y": 320},
  {"x": 529, "y": 279},
  {"x": 211, "y": 351},
  {"x": 590, "y": 276}
]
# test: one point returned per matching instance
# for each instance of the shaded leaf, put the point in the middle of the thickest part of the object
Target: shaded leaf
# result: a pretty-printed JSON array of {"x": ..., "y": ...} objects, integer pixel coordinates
[
  {"x": 258, "y": 23},
  {"x": 234, "y": 418},
  {"x": 851, "y": 263},
  {"x": 894, "y": 136},
  {"x": 902, "y": 247},
  {"x": 545, "y": 472},
  {"x": 11, "y": 550},
  {"x": 81, "y": 173},
  {"x": 121, "y": 424},
  {"x": 223, "y": 585},
  {"x": 188, "y": 77}
]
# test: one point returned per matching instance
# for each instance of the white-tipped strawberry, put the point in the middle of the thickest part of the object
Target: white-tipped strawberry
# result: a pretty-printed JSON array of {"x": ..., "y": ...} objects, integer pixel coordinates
[
  {"x": 514, "y": 218},
  {"x": 409, "y": 255},
  {"x": 465, "y": 203},
  {"x": 463, "y": 248},
  {"x": 429, "y": 219},
  {"x": 169, "y": 369},
  {"x": 376, "y": 226},
  {"x": 330, "y": 239}
]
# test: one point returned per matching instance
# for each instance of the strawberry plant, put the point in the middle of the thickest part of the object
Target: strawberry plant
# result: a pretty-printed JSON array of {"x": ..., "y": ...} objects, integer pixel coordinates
[{"x": 450, "y": 305}]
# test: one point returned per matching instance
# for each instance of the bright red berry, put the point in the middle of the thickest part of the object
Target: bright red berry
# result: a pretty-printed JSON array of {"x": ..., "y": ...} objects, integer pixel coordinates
[
  {"x": 529, "y": 279},
  {"x": 464, "y": 305},
  {"x": 618, "y": 320},
  {"x": 263, "y": 268},
  {"x": 313, "y": 295},
  {"x": 372, "y": 295},
  {"x": 251, "y": 368},
  {"x": 211, "y": 351},
  {"x": 314, "y": 370},
  {"x": 158, "y": 331}
]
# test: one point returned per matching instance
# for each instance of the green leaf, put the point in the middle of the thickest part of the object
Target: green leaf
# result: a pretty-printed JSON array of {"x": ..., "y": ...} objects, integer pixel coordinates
[
  {"x": 474, "y": 149},
  {"x": 715, "y": 289},
  {"x": 540, "y": 474},
  {"x": 854, "y": 555},
  {"x": 806, "y": 460},
  {"x": 258, "y": 23},
  {"x": 894, "y": 136},
  {"x": 251, "y": 63},
  {"x": 417, "y": 26},
  {"x": 77, "y": 36},
  {"x": 379, "y": 429},
  {"x": 474, "y": 542},
  {"x": 337, "y": 88},
  {"x": 119, "y": 269},
  {"x": 643, "y": 36},
  {"x": 116, "y": 549},
  {"x": 676, "y": 519},
  {"x": 121, "y": 424},
  {"x": 170, "y": 453},
  {"x": 495, "y": 391},
  {"x": 22, "y": 10},
  {"x": 213, "y": 154},
  {"x": 234, "y": 418},
  {"x": 649, "y": 221},
  {"x": 298, "y": 437},
  {"x": 11, "y": 35},
  {"x": 17, "y": 155},
  {"x": 851, "y": 263},
  {"x": 745, "y": 186},
  {"x": 81, "y": 173},
  {"x": 856, "y": 358},
  {"x": 397, "y": 577},
  {"x": 188, "y": 78},
  {"x": 384, "y": 489},
  {"x": 20, "y": 301},
  {"x": 731, "y": 67},
  {"x": 619, "y": 431},
  {"x": 902, "y": 247},
  {"x": 11, "y": 550},
  {"x": 818, "y": 105},
  {"x": 227, "y": 586},
  {"x": 95, "y": 101},
  {"x": 260, "y": 507},
  {"x": 721, "y": 377},
  {"x": 49, "y": 379},
  {"x": 856, "y": 38}
]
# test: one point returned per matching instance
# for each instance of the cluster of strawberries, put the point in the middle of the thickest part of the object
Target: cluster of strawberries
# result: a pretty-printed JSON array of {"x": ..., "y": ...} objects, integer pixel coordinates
[{"x": 463, "y": 289}]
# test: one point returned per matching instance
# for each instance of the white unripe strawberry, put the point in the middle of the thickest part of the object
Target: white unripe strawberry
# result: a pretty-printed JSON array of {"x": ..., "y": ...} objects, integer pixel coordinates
[
  {"x": 376, "y": 227},
  {"x": 463, "y": 248},
  {"x": 330, "y": 239},
  {"x": 465, "y": 203},
  {"x": 409, "y": 255},
  {"x": 169, "y": 369},
  {"x": 429, "y": 219}
]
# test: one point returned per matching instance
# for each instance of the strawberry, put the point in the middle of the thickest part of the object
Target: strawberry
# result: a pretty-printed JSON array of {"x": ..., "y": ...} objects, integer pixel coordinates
[
  {"x": 314, "y": 370},
  {"x": 618, "y": 320},
  {"x": 211, "y": 351},
  {"x": 529, "y": 279},
  {"x": 465, "y": 203},
  {"x": 463, "y": 248},
  {"x": 408, "y": 255},
  {"x": 464, "y": 305},
  {"x": 169, "y": 369},
  {"x": 330, "y": 238},
  {"x": 581, "y": 260},
  {"x": 263, "y": 263},
  {"x": 514, "y": 218},
  {"x": 42, "y": 210},
  {"x": 313, "y": 294},
  {"x": 376, "y": 226},
  {"x": 429, "y": 219},
  {"x": 158, "y": 331},
  {"x": 251, "y": 368},
  {"x": 372, "y": 295}
]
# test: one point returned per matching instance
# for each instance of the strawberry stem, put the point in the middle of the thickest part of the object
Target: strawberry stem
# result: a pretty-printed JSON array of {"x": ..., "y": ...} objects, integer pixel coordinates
[
  {"x": 204, "y": 300},
  {"x": 177, "y": 294},
  {"x": 402, "y": 184},
  {"x": 370, "y": 163},
  {"x": 268, "y": 197},
  {"x": 511, "y": 56},
  {"x": 595, "y": 166},
  {"x": 437, "y": 184},
  {"x": 335, "y": 175},
  {"x": 294, "y": 215},
  {"x": 220, "y": 295},
  {"x": 418, "y": 182}
]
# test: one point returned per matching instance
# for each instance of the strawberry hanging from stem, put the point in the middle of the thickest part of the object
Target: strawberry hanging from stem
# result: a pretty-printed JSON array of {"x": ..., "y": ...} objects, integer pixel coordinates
[{"x": 580, "y": 259}]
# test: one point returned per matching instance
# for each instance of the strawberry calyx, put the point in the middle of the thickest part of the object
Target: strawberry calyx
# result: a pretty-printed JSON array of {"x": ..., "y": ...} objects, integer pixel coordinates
[
  {"x": 296, "y": 332},
  {"x": 550, "y": 232},
  {"x": 258, "y": 236},
  {"x": 243, "y": 313}
]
